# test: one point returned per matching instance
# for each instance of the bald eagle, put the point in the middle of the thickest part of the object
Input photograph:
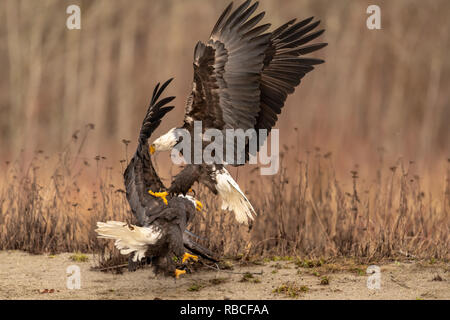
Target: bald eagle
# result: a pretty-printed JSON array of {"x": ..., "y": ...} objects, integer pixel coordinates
[
  {"x": 242, "y": 77},
  {"x": 161, "y": 234}
]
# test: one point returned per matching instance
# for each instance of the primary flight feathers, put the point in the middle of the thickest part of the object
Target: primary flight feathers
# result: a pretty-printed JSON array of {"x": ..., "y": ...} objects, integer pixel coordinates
[{"x": 242, "y": 77}]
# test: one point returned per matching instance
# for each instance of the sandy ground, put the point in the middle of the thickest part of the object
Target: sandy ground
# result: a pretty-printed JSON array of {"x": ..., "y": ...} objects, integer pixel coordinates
[{"x": 25, "y": 276}]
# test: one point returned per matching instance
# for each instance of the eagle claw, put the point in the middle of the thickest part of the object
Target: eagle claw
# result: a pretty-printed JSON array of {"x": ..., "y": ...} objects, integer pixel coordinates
[{"x": 179, "y": 272}]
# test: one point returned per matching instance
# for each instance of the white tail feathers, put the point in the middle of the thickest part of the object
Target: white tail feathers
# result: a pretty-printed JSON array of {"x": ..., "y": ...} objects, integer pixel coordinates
[
  {"x": 233, "y": 199},
  {"x": 129, "y": 238}
]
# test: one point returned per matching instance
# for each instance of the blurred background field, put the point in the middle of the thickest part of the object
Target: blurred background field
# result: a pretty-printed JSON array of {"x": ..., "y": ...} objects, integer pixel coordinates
[{"x": 365, "y": 138}]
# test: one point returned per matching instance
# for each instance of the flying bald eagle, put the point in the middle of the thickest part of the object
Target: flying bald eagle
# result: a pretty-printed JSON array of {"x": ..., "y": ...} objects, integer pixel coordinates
[
  {"x": 161, "y": 234},
  {"x": 242, "y": 77}
]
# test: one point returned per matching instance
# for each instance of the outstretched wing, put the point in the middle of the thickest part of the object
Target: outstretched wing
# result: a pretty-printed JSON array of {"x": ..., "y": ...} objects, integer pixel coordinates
[
  {"x": 227, "y": 71},
  {"x": 140, "y": 176}
]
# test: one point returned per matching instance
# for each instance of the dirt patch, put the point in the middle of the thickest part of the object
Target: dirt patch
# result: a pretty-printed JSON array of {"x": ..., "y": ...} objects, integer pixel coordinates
[{"x": 25, "y": 276}]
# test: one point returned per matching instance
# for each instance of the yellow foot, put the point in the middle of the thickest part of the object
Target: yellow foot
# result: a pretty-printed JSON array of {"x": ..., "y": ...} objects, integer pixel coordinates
[
  {"x": 179, "y": 272},
  {"x": 161, "y": 195},
  {"x": 188, "y": 256},
  {"x": 198, "y": 205}
]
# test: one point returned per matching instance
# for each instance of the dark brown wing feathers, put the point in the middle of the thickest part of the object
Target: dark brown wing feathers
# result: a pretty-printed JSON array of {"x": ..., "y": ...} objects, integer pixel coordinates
[{"x": 140, "y": 176}]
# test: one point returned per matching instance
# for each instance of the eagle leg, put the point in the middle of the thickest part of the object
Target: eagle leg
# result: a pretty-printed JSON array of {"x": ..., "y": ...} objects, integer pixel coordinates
[{"x": 161, "y": 195}]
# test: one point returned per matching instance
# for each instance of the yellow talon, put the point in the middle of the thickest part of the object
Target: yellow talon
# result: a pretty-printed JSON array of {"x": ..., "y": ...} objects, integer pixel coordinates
[
  {"x": 188, "y": 256},
  {"x": 198, "y": 205},
  {"x": 161, "y": 195},
  {"x": 179, "y": 272}
]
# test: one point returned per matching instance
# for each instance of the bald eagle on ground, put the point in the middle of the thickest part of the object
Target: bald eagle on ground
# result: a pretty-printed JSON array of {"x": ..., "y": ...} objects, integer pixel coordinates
[
  {"x": 161, "y": 234},
  {"x": 242, "y": 77}
]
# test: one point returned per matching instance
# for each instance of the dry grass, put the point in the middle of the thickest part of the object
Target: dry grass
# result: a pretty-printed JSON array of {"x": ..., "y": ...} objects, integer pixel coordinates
[{"x": 290, "y": 289}]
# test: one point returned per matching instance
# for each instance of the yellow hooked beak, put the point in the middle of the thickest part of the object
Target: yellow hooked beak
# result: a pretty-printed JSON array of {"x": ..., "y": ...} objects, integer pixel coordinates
[{"x": 152, "y": 149}]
